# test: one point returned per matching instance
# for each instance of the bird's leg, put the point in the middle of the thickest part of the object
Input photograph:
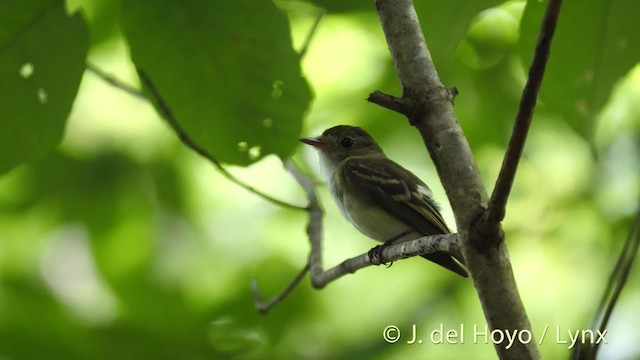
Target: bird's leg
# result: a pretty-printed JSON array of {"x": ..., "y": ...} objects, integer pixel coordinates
[{"x": 376, "y": 252}]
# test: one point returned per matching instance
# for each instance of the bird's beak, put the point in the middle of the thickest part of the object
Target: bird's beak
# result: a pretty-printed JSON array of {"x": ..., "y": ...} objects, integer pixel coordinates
[{"x": 316, "y": 142}]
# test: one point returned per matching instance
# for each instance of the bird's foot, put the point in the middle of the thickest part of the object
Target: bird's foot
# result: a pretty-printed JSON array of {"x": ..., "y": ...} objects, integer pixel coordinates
[{"x": 375, "y": 255}]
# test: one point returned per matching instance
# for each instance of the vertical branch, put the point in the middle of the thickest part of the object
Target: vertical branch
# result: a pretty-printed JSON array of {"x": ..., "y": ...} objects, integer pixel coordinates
[
  {"x": 427, "y": 104},
  {"x": 497, "y": 204}
]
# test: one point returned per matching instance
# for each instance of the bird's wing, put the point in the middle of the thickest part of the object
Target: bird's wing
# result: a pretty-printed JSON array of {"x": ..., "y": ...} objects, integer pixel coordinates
[
  {"x": 401, "y": 194},
  {"x": 397, "y": 191}
]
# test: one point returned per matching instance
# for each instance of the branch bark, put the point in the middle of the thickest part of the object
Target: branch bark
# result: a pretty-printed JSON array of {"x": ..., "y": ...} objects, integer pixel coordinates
[
  {"x": 448, "y": 243},
  {"x": 483, "y": 247}
]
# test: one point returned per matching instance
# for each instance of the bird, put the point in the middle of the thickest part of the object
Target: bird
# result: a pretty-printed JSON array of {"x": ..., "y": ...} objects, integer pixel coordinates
[{"x": 379, "y": 197}]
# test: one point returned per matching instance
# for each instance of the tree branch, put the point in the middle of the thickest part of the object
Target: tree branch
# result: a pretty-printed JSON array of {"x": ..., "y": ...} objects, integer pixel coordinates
[
  {"x": 588, "y": 350},
  {"x": 425, "y": 245},
  {"x": 498, "y": 203},
  {"x": 182, "y": 135},
  {"x": 391, "y": 102},
  {"x": 115, "y": 82},
  {"x": 434, "y": 117},
  {"x": 312, "y": 32},
  {"x": 264, "y": 306},
  {"x": 421, "y": 246}
]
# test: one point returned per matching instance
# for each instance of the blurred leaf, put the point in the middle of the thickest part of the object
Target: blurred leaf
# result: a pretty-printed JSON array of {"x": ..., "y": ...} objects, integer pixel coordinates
[
  {"x": 55, "y": 337},
  {"x": 596, "y": 42},
  {"x": 42, "y": 54},
  {"x": 154, "y": 324},
  {"x": 97, "y": 192},
  {"x": 341, "y": 6},
  {"x": 235, "y": 90},
  {"x": 445, "y": 24},
  {"x": 492, "y": 34},
  {"x": 486, "y": 116},
  {"x": 105, "y": 179}
]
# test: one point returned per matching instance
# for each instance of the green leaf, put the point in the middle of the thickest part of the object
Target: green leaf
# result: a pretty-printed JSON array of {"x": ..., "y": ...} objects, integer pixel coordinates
[
  {"x": 42, "y": 58},
  {"x": 227, "y": 71},
  {"x": 596, "y": 43}
]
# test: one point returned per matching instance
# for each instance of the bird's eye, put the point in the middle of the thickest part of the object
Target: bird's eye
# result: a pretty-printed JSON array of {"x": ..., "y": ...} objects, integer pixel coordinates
[{"x": 346, "y": 142}]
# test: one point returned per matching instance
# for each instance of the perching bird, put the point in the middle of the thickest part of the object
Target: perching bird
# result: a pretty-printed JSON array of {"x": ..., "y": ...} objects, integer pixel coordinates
[{"x": 383, "y": 200}]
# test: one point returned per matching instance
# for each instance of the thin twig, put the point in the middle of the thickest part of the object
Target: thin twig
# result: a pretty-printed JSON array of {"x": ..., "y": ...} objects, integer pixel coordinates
[
  {"x": 390, "y": 102},
  {"x": 264, "y": 306},
  {"x": 312, "y": 33},
  {"x": 314, "y": 230},
  {"x": 314, "y": 226},
  {"x": 115, "y": 82},
  {"x": 498, "y": 202},
  {"x": 182, "y": 135},
  {"x": 587, "y": 350},
  {"x": 402, "y": 105},
  {"x": 427, "y": 244},
  {"x": 621, "y": 272}
]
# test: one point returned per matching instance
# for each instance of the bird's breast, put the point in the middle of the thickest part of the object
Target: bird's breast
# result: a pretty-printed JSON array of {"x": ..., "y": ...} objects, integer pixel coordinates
[
  {"x": 363, "y": 213},
  {"x": 370, "y": 219}
]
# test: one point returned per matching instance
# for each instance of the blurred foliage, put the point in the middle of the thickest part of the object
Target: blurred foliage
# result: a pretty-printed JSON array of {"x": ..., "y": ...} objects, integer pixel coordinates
[
  {"x": 121, "y": 243},
  {"x": 593, "y": 49}
]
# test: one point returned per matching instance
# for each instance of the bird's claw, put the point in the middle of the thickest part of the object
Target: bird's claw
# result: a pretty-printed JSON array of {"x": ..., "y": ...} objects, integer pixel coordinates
[{"x": 375, "y": 255}]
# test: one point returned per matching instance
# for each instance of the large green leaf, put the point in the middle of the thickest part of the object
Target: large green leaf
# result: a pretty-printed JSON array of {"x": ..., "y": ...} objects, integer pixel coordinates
[
  {"x": 227, "y": 71},
  {"x": 42, "y": 55},
  {"x": 596, "y": 43}
]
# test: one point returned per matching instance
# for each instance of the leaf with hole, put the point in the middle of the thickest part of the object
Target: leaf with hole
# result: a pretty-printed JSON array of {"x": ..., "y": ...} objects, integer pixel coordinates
[
  {"x": 42, "y": 58},
  {"x": 226, "y": 70}
]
